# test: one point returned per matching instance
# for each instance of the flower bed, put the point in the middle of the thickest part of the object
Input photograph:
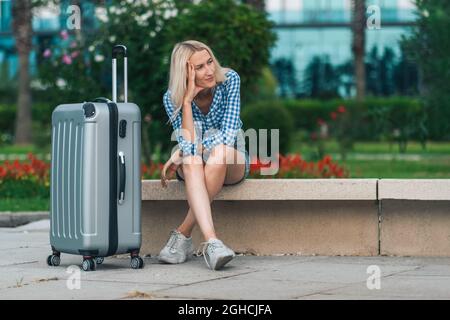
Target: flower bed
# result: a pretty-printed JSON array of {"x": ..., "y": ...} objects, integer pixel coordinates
[{"x": 31, "y": 178}]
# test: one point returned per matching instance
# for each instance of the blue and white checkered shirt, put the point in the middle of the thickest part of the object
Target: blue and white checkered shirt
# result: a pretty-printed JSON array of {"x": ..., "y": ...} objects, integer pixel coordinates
[{"x": 220, "y": 125}]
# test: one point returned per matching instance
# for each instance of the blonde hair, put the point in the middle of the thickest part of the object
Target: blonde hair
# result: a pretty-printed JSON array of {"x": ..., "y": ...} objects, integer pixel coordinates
[{"x": 178, "y": 71}]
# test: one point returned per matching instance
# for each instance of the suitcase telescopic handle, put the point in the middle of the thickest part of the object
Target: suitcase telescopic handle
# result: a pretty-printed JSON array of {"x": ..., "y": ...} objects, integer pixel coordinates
[
  {"x": 122, "y": 177},
  {"x": 119, "y": 49}
]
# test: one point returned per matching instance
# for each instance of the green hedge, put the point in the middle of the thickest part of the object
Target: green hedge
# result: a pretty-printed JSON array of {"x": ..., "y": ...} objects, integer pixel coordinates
[
  {"x": 372, "y": 120},
  {"x": 42, "y": 118},
  {"x": 270, "y": 115},
  {"x": 41, "y": 113}
]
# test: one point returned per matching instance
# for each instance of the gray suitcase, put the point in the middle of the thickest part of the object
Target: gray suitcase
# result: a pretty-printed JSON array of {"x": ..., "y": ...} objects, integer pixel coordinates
[{"x": 95, "y": 206}]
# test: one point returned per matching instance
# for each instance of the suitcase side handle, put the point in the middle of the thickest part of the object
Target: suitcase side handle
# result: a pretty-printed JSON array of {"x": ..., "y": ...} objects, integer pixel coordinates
[
  {"x": 117, "y": 49},
  {"x": 122, "y": 177}
]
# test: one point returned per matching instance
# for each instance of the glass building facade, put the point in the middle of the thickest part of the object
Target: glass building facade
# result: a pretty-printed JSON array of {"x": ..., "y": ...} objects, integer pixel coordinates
[
  {"x": 310, "y": 28},
  {"x": 305, "y": 29}
]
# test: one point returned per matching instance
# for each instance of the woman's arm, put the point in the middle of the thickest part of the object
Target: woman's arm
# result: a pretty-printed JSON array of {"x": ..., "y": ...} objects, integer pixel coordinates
[
  {"x": 186, "y": 146},
  {"x": 188, "y": 127}
]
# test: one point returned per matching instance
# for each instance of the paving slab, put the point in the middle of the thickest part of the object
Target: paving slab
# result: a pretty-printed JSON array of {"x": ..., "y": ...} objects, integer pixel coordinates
[{"x": 24, "y": 274}]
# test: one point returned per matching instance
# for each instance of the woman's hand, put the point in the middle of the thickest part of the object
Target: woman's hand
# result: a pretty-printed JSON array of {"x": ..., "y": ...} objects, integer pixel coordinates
[
  {"x": 172, "y": 164},
  {"x": 192, "y": 88}
]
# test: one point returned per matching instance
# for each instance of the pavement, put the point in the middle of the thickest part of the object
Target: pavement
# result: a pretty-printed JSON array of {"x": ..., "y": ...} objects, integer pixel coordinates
[{"x": 24, "y": 274}]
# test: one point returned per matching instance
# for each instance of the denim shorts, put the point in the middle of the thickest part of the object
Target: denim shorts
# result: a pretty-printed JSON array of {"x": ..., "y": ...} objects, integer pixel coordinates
[{"x": 247, "y": 170}]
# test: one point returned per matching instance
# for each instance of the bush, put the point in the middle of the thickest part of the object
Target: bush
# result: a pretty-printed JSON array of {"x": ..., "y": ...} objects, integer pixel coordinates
[
  {"x": 395, "y": 118},
  {"x": 42, "y": 118},
  {"x": 269, "y": 115},
  {"x": 428, "y": 45}
]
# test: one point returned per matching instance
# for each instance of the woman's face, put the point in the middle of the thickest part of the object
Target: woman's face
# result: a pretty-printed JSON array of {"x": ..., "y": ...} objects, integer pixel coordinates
[{"x": 204, "y": 69}]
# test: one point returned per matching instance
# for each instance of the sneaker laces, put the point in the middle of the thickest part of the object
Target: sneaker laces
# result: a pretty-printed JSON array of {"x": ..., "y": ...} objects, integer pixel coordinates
[
  {"x": 173, "y": 240},
  {"x": 204, "y": 246}
]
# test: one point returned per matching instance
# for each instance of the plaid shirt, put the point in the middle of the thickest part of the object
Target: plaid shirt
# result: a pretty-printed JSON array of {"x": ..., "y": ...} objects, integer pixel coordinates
[{"x": 220, "y": 125}]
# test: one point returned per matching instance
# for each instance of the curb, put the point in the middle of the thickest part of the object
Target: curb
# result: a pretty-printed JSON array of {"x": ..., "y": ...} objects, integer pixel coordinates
[{"x": 10, "y": 219}]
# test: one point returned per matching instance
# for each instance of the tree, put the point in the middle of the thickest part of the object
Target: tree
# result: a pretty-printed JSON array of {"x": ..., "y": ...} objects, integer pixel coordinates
[
  {"x": 257, "y": 4},
  {"x": 429, "y": 47},
  {"x": 241, "y": 39},
  {"x": 22, "y": 30},
  {"x": 284, "y": 71},
  {"x": 321, "y": 78},
  {"x": 358, "y": 46}
]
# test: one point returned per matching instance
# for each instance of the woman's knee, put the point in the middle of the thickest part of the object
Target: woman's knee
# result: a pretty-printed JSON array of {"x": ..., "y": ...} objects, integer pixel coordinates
[
  {"x": 191, "y": 163},
  {"x": 221, "y": 154}
]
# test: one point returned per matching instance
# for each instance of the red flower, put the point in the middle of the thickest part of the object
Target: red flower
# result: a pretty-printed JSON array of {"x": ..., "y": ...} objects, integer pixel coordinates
[
  {"x": 341, "y": 109},
  {"x": 333, "y": 115}
]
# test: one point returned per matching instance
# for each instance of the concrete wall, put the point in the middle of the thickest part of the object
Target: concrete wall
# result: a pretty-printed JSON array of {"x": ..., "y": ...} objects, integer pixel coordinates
[
  {"x": 274, "y": 227},
  {"x": 313, "y": 216},
  {"x": 415, "y": 228}
]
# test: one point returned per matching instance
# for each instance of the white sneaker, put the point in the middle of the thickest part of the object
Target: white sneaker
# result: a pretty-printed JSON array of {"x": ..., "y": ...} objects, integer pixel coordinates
[
  {"x": 216, "y": 254},
  {"x": 178, "y": 248}
]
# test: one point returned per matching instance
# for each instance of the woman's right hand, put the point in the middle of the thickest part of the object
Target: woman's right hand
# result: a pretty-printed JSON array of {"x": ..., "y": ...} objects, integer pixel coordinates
[
  {"x": 172, "y": 165},
  {"x": 192, "y": 88}
]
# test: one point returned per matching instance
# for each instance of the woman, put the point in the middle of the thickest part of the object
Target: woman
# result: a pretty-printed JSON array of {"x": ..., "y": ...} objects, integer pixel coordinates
[{"x": 203, "y": 105}]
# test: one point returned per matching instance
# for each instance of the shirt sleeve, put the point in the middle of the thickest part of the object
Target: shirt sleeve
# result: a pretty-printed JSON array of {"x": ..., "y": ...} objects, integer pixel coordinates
[
  {"x": 187, "y": 147},
  {"x": 231, "y": 123}
]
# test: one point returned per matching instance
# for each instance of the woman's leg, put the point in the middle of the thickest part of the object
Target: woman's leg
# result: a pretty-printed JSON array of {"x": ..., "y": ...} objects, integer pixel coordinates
[{"x": 221, "y": 167}]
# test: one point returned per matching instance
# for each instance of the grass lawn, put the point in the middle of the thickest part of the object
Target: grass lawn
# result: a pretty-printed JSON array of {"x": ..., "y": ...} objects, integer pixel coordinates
[
  {"x": 364, "y": 160},
  {"x": 13, "y": 149},
  {"x": 401, "y": 169},
  {"x": 32, "y": 204}
]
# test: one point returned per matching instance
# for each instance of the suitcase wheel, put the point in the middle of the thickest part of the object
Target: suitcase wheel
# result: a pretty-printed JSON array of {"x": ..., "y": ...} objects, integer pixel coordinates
[
  {"x": 99, "y": 260},
  {"x": 137, "y": 262},
  {"x": 53, "y": 260},
  {"x": 88, "y": 264}
]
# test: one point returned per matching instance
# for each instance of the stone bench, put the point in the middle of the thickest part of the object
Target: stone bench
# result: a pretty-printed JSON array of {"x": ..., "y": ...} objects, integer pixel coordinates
[{"x": 313, "y": 216}]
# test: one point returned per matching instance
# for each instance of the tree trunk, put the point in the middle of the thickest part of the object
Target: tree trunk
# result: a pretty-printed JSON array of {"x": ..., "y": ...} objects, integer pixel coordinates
[
  {"x": 22, "y": 29},
  {"x": 358, "y": 46}
]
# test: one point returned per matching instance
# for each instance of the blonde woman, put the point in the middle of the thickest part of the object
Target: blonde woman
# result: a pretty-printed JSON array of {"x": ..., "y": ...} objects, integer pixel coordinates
[{"x": 203, "y": 106}]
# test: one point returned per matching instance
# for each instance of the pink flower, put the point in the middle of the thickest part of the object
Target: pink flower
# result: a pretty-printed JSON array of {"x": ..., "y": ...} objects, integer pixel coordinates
[
  {"x": 320, "y": 121},
  {"x": 47, "y": 53},
  {"x": 66, "y": 59},
  {"x": 75, "y": 54},
  {"x": 64, "y": 34},
  {"x": 73, "y": 44}
]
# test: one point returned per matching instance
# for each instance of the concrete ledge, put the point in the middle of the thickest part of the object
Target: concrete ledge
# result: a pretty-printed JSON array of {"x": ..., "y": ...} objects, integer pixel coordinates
[
  {"x": 414, "y": 189},
  {"x": 273, "y": 189},
  {"x": 322, "y": 216}
]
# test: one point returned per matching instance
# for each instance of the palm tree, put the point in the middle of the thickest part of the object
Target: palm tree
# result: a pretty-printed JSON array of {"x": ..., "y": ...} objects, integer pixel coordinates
[
  {"x": 358, "y": 46},
  {"x": 22, "y": 30}
]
